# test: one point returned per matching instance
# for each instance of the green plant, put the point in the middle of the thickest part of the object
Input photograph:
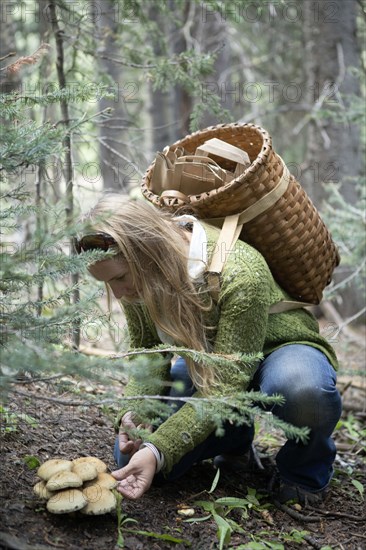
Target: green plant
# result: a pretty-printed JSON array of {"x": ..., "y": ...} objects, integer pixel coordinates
[
  {"x": 220, "y": 509},
  {"x": 259, "y": 542},
  {"x": 32, "y": 462},
  {"x": 123, "y": 519},
  {"x": 360, "y": 488},
  {"x": 10, "y": 420}
]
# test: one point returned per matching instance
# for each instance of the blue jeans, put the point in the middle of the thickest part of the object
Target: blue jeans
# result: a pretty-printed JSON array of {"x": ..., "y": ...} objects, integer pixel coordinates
[{"x": 306, "y": 379}]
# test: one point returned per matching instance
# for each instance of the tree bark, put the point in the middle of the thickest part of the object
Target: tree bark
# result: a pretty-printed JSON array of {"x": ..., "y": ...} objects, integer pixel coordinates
[
  {"x": 333, "y": 148},
  {"x": 115, "y": 153},
  {"x": 160, "y": 102}
]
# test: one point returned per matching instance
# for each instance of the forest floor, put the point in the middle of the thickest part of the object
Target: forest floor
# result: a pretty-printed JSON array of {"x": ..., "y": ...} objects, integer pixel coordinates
[{"x": 73, "y": 431}]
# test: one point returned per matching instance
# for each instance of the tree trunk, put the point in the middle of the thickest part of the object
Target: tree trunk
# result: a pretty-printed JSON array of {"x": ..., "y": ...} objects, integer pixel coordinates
[
  {"x": 334, "y": 152},
  {"x": 212, "y": 35},
  {"x": 160, "y": 102},
  {"x": 333, "y": 148},
  {"x": 115, "y": 153},
  {"x": 182, "y": 100}
]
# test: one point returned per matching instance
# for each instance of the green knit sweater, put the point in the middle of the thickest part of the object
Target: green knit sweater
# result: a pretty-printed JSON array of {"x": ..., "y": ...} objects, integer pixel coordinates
[{"x": 243, "y": 325}]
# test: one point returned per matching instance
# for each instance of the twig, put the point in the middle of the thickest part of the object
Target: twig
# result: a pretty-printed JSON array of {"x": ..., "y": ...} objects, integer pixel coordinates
[
  {"x": 55, "y": 544},
  {"x": 10, "y": 54},
  {"x": 127, "y": 63},
  {"x": 296, "y": 515},
  {"x": 340, "y": 515},
  {"x": 348, "y": 385},
  {"x": 350, "y": 277},
  {"x": 358, "y": 535},
  {"x": 98, "y": 352},
  {"x": 129, "y": 161},
  {"x": 15, "y": 67},
  {"x": 35, "y": 380},
  {"x": 331, "y": 313},
  {"x": 353, "y": 318}
]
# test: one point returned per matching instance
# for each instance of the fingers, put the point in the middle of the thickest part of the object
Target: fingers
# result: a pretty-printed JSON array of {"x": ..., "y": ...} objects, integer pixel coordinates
[
  {"x": 121, "y": 473},
  {"x": 129, "y": 484},
  {"x": 135, "y": 478},
  {"x": 131, "y": 488},
  {"x": 127, "y": 420},
  {"x": 127, "y": 445}
]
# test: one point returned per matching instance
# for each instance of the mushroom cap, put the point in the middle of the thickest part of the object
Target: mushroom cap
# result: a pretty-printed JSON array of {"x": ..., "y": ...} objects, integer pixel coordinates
[
  {"x": 85, "y": 470},
  {"x": 99, "y": 464},
  {"x": 103, "y": 480},
  {"x": 100, "y": 500},
  {"x": 62, "y": 480},
  {"x": 41, "y": 490},
  {"x": 68, "y": 500},
  {"x": 52, "y": 467}
]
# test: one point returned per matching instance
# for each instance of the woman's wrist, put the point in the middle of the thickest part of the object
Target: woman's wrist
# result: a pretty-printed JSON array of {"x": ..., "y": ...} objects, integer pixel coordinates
[{"x": 158, "y": 455}]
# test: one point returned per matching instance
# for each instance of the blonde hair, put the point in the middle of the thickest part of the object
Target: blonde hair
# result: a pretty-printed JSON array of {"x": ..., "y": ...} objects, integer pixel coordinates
[{"x": 157, "y": 261}]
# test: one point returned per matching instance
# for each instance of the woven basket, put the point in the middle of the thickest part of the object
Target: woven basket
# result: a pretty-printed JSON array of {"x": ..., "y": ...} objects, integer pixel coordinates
[{"x": 291, "y": 235}]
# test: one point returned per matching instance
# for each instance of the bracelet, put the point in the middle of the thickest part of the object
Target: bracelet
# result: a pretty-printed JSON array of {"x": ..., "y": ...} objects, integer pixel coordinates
[{"x": 158, "y": 455}]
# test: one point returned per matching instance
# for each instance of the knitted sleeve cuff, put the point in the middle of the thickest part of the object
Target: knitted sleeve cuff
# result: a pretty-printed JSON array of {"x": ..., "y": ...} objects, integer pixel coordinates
[{"x": 158, "y": 455}]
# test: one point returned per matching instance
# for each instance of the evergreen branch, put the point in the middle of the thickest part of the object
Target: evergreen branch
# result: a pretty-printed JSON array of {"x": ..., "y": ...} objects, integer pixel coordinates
[
  {"x": 198, "y": 400},
  {"x": 220, "y": 360},
  {"x": 127, "y": 63},
  {"x": 72, "y": 95},
  {"x": 248, "y": 412},
  {"x": 36, "y": 380}
]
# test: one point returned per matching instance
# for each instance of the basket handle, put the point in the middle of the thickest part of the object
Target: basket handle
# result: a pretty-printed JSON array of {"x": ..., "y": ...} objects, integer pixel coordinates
[{"x": 225, "y": 150}]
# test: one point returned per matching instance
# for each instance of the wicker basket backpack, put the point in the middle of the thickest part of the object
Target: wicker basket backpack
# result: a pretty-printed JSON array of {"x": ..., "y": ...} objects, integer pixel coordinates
[{"x": 264, "y": 206}]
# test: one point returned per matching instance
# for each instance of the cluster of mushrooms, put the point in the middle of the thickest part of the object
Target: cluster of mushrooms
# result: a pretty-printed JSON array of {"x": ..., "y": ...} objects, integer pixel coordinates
[{"x": 81, "y": 484}]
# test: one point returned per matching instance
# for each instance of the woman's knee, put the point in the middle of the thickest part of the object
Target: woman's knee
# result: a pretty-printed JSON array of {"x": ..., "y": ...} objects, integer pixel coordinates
[
  {"x": 312, "y": 406},
  {"x": 307, "y": 381}
]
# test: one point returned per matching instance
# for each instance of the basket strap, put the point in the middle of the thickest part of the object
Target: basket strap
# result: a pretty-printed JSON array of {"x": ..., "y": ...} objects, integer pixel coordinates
[
  {"x": 287, "y": 305},
  {"x": 229, "y": 234}
]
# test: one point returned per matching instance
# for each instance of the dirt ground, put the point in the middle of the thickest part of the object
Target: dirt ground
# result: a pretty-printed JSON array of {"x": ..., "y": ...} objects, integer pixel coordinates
[{"x": 70, "y": 432}]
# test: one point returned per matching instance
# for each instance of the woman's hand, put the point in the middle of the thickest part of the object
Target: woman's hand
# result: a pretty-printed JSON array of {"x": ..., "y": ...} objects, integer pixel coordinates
[
  {"x": 127, "y": 445},
  {"x": 136, "y": 478}
]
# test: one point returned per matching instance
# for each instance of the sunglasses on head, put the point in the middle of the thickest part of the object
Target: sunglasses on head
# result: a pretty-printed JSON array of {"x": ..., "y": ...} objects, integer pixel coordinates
[{"x": 94, "y": 241}]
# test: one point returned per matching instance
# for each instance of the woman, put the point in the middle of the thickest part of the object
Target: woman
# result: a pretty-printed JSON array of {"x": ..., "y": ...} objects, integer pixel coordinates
[{"x": 158, "y": 274}]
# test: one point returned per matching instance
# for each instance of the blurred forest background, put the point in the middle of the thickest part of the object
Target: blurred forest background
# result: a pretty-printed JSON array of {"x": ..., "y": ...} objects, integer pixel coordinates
[{"x": 90, "y": 90}]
